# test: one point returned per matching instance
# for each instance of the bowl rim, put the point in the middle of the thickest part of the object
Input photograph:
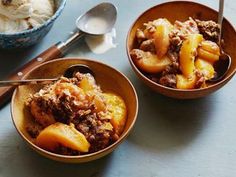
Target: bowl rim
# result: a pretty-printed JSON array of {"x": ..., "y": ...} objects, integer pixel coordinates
[
  {"x": 50, "y": 20},
  {"x": 137, "y": 70},
  {"x": 94, "y": 154}
]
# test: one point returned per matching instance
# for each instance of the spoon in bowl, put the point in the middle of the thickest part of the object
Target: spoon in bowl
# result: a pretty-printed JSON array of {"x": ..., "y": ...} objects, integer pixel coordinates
[
  {"x": 222, "y": 65},
  {"x": 97, "y": 21},
  {"x": 69, "y": 73}
]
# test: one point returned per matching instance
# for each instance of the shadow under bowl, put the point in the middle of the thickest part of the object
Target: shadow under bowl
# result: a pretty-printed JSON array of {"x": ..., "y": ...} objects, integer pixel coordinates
[{"x": 182, "y": 10}]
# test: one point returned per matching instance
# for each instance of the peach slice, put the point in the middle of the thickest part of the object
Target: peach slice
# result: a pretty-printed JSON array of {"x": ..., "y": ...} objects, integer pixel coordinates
[
  {"x": 99, "y": 102},
  {"x": 188, "y": 53},
  {"x": 205, "y": 68},
  {"x": 185, "y": 82},
  {"x": 161, "y": 38},
  {"x": 208, "y": 56},
  {"x": 210, "y": 47},
  {"x": 209, "y": 51},
  {"x": 148, "y": 62},
  {"x": 92, "y": 91},
  {"x": 118, "y": 111},
  {"x": 88, "y": 83},
  {"x": 61, "y": 134}
]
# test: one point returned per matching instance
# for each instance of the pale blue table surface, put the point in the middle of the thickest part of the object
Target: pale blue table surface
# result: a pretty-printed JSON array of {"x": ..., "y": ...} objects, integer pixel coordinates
[{"x": 171, "y": 138}]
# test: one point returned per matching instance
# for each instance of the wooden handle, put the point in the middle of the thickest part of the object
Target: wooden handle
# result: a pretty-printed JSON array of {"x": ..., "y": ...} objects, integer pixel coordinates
[{"x": 50, "y": 54}]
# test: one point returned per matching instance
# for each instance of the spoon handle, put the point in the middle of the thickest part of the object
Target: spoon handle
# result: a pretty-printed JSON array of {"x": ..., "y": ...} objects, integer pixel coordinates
[
  {"x": 6, "y": 92},
  {"x": 56, "y": 51},
  {"x": 220, "y": 17},
  {"x": 25, "y": 82}
]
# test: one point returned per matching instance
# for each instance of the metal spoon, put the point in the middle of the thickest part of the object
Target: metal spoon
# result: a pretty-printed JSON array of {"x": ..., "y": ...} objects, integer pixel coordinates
[
  {"x": 222, "y": 65},
  {"x": 105, "y": 12},
  {"x": 69, "y": 73},
  {"x": 97, "y": 21}
]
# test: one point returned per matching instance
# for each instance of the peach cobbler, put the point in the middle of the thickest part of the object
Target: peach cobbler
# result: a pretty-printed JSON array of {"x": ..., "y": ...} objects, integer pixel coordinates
[
  {"x": 179, "y": 55},
  {"x": 74, "y": 116}
]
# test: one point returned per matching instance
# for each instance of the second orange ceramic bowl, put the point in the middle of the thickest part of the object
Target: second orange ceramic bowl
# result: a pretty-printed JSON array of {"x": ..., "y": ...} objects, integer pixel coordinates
[{"x": 182, "y": 10}]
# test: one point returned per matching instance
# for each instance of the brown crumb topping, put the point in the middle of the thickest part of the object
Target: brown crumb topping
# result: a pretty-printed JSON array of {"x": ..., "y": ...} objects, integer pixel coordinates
[
  {"x": 66, "y": 108},
  {"x": 178, "y": 33}
]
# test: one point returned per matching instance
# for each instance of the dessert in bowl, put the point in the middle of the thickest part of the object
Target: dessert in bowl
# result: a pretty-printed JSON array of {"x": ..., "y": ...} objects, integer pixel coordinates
[
  {"x": 75, "y": 119},
  {"x": 173, "y": 50},
  {"x": 25, "y": 22}
]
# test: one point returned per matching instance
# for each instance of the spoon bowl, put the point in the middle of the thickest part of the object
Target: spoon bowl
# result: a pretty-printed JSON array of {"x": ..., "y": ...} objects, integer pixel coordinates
[
  {"x": 72, "y": 70},
  {"x": 98, "y": 20},
  {"x": 221, "y": 67}
]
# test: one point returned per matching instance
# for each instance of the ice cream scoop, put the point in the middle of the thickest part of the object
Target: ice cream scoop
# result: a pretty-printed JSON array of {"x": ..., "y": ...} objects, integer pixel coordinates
[{"x": 97, "y": 21}]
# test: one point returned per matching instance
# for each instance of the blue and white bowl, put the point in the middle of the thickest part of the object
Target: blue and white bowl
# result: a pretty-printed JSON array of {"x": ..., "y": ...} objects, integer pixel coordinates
[{"x": 32, "y": 36}]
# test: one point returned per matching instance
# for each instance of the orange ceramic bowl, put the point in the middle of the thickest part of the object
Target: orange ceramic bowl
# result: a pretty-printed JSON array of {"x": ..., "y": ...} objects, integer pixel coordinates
[
  {"x": 108, "y": 78},
  {"x": 182, "y": 10}
]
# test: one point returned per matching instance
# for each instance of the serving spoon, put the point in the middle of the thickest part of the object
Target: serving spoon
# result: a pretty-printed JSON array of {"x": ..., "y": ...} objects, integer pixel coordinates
[
  {"x": 222, "y": 65},
  {"x": 97, "y": 21},
  {"x": 69, "y": 73}
]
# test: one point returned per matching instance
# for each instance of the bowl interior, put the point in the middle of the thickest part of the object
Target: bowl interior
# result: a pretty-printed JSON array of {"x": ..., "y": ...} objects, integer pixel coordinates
[
  {"x": 108, "y": 78},
  {"x": 182, "y": 10}
]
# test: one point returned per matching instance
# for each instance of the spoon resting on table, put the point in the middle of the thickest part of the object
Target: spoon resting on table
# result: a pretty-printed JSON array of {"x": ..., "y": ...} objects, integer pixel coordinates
[{"x": 86, "y": 24}]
